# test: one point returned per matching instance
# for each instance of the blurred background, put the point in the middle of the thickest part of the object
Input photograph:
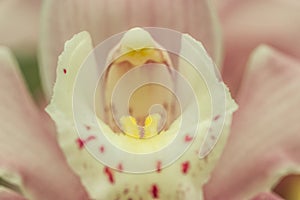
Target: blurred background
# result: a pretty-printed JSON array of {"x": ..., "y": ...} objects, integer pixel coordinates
[{"x": 20, "y": 28}]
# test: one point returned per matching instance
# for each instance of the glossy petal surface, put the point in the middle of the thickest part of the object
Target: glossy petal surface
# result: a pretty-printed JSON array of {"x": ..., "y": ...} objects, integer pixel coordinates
[{"x": 183, "y": 179}]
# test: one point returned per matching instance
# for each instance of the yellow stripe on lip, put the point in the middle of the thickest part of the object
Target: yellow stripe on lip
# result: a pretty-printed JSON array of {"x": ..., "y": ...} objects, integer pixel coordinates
[
  {"x": 150, "y": 128},
  {"x": 136, "y": 49}
]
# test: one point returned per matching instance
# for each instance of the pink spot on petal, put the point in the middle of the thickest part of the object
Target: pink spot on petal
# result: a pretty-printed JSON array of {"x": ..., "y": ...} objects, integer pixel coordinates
[
  {"x": 216, "y": 117},
  {"x": 91, "y": 137},
  {"x": 185, "y": 166},
  {"x": 102, "y": 149},
  {"x": 109, "y": 175},
  {"x": 158, "y": 166},
  {"x": 125, "y": 191},
  {"x": 87, "y": 127},
  {"x": 154, "y": 191},
  {"x": 120, "y": 167},
  {"x": 188, "y": 138},
  {"x": 80, "y": 143}
]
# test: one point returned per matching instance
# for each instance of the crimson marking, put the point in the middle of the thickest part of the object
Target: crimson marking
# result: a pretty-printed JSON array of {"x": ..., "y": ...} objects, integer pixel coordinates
[
  {"x": 216, "y": 117},
  {"x": 109, "y": 174},
  {"x": 188, "y": 138},
  {"x": 120, "y": 167},
  {"x": 158, "y": 166},
  {"x": 65, "y": 71},
  {"x": 102, "y": 149},
  {"x": 154, "y": 191},
  {"x": 185, "y": 167},
  {"x": 82, "y": 142}
]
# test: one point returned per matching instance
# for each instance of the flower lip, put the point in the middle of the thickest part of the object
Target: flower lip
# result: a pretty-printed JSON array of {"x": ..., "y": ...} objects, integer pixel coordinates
[
  {"x": 135, "y": 49},
  {"x": 168, "y": 146},
  {"x": 136, "y": 115}
]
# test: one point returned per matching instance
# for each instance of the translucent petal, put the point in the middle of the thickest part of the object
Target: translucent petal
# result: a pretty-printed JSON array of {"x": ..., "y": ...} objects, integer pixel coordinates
[
  {"x": 31, "y": 162},
  {"x": 63, "y": 19},
  {"x": 247, "y": 24},
  {"x": 264, "y": 142}
]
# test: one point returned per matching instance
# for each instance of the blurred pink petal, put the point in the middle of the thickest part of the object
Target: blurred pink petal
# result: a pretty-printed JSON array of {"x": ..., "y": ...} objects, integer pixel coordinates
[
  {"x": 266, "y": 196},
  {"x": 19, "y": 22},
  {"x": 102, "y": 19},
  {"x": 247, "y": 24},
  {"x": 265, "y": 142},
  {"x": 30, "y": 158},
  {"x": 9, "y": 195}
]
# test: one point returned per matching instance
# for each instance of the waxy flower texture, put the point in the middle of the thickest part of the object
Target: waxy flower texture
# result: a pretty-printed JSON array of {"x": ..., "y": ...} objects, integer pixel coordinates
[{"x": 140, "y": 110}]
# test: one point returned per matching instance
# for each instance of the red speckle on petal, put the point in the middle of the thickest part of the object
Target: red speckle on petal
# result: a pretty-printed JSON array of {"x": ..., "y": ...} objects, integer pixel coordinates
[
  {"x": 102, "y": 149},
  {"x": 65, "y": 71},
  {"x": 158, "y": 166},
  {"x": 120, "y": 167},
  {"x": 109, "y": 174},
  {"x": 188, "y": 138},
  {"x": 91, "y": 137},
  {"x": 185, "y": 167},
  {"x": 80, "y": 143},
  {"x": 87, "y": 127},
  {"x": 216, "y": 117},
  {"x": 154, "y": 191},
  {"x": 125, "y": 191}
]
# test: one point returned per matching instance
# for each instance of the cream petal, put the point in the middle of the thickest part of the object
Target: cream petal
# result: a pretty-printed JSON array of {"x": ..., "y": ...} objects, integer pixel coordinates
[
  {"x": 247, "y": 24},
  {"x": 30, "y": 160},
  {"x": 264, "y": 142},
  {"x": 183, "y": 179},
  {"x": 62, "y": 19}
]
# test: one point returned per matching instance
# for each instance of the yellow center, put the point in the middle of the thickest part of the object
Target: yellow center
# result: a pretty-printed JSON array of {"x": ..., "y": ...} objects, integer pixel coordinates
[
  {"x": 136, "y": 49},
  {"x": 150, "y": 128}
]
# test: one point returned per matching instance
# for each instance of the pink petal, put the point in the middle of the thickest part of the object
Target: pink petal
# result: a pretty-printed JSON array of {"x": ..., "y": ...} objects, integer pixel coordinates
[
  {"x": 30, "y": 158},
  {"x": 247, "y": 24},
  {"x": 62, "y": 19},
  {"x": 265, "y": 141},
  {"x": 19, "y": 24},
  {"x": 266, "y": 196}
]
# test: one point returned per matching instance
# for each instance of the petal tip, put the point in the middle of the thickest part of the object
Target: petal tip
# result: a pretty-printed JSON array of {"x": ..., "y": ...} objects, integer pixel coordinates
[
  {"x": 260, "y": 55},
  {"x": 135, "y": 39},
  {"x": 7, "y": 58}
]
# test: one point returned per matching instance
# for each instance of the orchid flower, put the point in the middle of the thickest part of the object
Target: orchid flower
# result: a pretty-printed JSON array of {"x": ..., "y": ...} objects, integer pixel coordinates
[{"x": 263, "y": 144}]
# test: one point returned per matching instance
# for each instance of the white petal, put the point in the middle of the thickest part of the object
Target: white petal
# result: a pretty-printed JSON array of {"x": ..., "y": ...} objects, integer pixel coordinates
[{"x": 183, "y": 179}]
